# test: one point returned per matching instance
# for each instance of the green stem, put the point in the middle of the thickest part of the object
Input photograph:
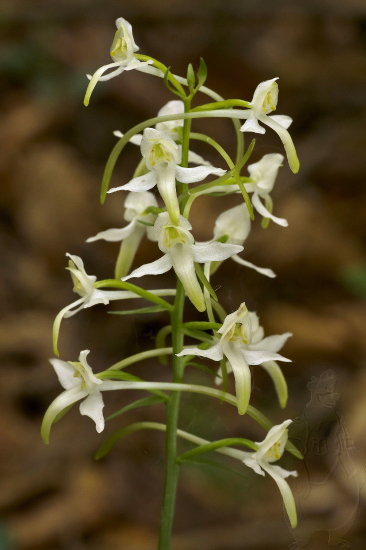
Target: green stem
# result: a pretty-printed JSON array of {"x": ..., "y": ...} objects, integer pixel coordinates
[
  {"x": 140, "y": 357},
  {"x": 171, "y": 467}
]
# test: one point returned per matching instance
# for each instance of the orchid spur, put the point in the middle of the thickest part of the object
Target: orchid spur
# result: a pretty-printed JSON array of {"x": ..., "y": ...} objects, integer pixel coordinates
[
  {"x": 122, "y": 52},
  {"x": 242, "y": 344},
  {"x": 136, "y": 213},
  {"x": 181, "y": 253},
  {"x": 162, "y": 158}
]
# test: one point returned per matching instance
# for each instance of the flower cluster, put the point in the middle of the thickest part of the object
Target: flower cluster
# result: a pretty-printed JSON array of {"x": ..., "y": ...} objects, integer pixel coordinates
[{"x": 157, "y": 206}]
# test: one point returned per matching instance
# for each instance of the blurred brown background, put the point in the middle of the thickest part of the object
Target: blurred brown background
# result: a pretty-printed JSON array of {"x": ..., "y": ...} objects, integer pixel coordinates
[{"x": 53, "y": 151}]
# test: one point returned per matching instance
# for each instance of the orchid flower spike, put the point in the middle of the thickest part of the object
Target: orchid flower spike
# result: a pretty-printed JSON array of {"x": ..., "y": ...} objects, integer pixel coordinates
[
  {"x": 181, "y": 253},
  {"x": 122, "y": 52},
  {"x": 242, "y": 342},
  {"x": 162, "y": 158},
  {"x": 90, "y": 295},
  {"x": 136, "y": 205},
  {"x": 270, "y": 450},
  {"x": 171, "y": 128},
  {"x": 263, "y": 174},
  {"x": 234, "y": 225},
  {"x": 275, "y": 343},
  {"x": 265, "y": 101}
]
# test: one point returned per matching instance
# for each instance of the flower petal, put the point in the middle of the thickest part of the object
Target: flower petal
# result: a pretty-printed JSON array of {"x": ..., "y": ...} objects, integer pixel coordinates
[
  {"x": 215, "y": 353},
  {"x": 128, "y": 250},
  {"x": 165, "y": 179},
  {"x": 262, "y": 270},
  {"x": 258, "y": 357},
  {"x": 275, "y": 434},
  {"x": 284, "y": 120},
  {"x": 286, "y": 140},
  {"x": 114, "y": 235},
  {"x": 182, "y": 260},
  {"x": 198, "y": 173},
  {"x": 197, "y": 159},
  {"x": 242, "y": 375},
  {"x": 58, "y": 319},
  {"x": 65, "y": 373},
  {"x": 278, "y": 474},
  {"x": 262, "y": 210},
  {"x": 93, "y": 406},
  {"x": 215, "y": 251},
  {"x": 252, "y": 463},
  {"x": 272, "y": 343},
  {"x": 136, "y": 139},
  {"x": 251, "y": 125},
  {"x": 98, "y": 76},
  {"x": 65, "y": 399},
  {"x": 141, "y": 183},
  {"x": 275, "y": 372},
  {"x": 162, "y": 265}
]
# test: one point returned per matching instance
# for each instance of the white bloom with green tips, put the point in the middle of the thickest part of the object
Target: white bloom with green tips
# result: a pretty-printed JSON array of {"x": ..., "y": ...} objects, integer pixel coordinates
[
  {"x": 162, "y": 157},
  {"x": 136, "y": 205},
  {"x": 242, "y": 344},
  {"x": 270, "y": 450},
  {"x": 122, "y": 52},
  {"x": 180, "y": 253}
]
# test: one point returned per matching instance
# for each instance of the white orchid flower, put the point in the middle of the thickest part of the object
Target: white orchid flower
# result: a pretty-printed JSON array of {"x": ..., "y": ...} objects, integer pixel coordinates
[
  {"x": 264, "y": 173},
  {"x": 272, "y": 367},
  {"x": 181, "y": 253},
  {"x": 122, "y": 52},
  {"x": 79, "y": 377},
  {"x": 131, "y": 235},
  {"x": 85, "y": 286},
  {"x": 243, "y": 345},
  {"x": 162, "y": 158},
  {"x": 171, "y": 128},
  {"x": 270, "y": 450},
  {"x": 235, "y": 225},
  {"x": 264, "y": 101}
]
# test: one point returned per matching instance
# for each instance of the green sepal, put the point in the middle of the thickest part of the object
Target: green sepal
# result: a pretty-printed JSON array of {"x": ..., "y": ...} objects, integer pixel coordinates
[
  {"x": 201, "y": 74},
  {"x": 144, "y": 402},
  {"x": 160, "y": 342},
  {"x": 113, "y": 438},
  {"x": 153, "y": 210},
  {"x": 224, "y": 375},
  {"x": 204, "y": 368},
  {"x": 197, "y": 334},
  {"x": 269, "y": 206},
  {"x": 168, "y": 85},
  {"x": 152, "y": 309},
  {"x": 191, "y": 78},
  {"x": 214, "y": 445},
  {"x": 146, "y": 223},
  {"x": 205, "y": 462},
  {"x": 202, "y": 277},
  {"x": 202, "y": 325}
]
